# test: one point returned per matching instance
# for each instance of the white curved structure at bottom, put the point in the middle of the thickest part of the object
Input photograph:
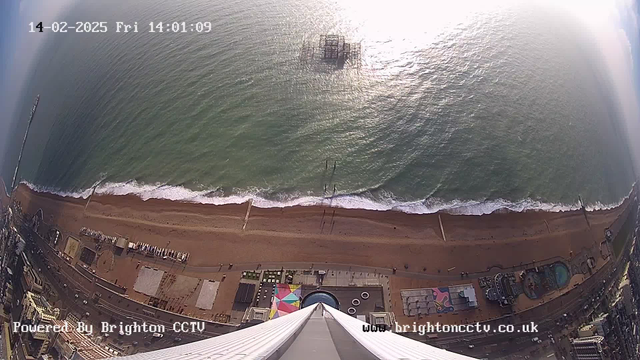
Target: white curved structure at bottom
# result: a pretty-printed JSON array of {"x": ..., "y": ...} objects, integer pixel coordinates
[
  {"x": 316, "y": 332},
  {"x": 387, "y": 345}
]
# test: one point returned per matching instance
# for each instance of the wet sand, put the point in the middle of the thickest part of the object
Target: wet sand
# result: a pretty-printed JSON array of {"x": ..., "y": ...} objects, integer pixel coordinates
[{"x": 213, "y": 234}]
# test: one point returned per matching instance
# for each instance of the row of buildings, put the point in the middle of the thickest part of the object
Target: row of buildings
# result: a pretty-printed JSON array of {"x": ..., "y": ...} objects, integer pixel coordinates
[
  {"x": 23, "y": 297},
  {"x": 70, "y": 344},
  {"x": 614, "y": 334}
]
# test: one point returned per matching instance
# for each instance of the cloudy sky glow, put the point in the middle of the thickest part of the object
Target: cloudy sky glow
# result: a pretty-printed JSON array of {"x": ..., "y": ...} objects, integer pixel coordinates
[
  {"x": 614, "y": 26},
  {"x": 18, "y": 51}
]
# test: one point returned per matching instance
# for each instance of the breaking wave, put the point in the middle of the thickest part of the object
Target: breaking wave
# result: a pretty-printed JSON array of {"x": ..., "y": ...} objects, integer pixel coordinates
[{"x": 346, "y": 201}]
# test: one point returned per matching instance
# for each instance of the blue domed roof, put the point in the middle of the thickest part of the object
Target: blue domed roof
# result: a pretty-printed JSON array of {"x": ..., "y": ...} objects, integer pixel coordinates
[{"x": 320, "y": 297}]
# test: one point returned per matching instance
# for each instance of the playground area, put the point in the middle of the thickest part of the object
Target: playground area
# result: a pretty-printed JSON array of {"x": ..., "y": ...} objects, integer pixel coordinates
[{"x": 541, "y": 280}]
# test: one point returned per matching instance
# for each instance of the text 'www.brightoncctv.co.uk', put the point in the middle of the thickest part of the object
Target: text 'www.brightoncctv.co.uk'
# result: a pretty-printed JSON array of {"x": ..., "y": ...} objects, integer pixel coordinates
[{"x": 435, "y": 328}]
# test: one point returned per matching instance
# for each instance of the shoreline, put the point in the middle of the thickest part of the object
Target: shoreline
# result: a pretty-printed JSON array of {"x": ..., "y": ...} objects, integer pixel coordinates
[
  {"x": 340, "y": 201},
  {"x": 239, "y": 209},
  {"x": 214, "y": 234}
]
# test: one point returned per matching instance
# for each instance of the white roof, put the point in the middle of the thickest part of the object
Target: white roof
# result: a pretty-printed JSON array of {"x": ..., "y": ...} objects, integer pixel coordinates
[{"x": 269, "y": 340}]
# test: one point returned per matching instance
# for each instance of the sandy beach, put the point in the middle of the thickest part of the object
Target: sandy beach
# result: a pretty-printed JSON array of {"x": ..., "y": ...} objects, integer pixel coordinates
[
  {"x": 213, "y": 234},
  {"x": 275, "y": 237}
]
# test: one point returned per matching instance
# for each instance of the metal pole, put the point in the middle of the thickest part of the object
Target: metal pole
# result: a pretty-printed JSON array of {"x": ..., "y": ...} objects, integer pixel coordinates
[{"x": 24, "y": 141}]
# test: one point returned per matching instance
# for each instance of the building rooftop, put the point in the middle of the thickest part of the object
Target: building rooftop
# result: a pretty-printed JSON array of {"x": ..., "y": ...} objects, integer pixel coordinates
[
  {"x": 256, "y": 313},
  {"x": 588, "y": 339},
  {"x": 40, "y": 303},
  {"x": 85, "y": 347}
]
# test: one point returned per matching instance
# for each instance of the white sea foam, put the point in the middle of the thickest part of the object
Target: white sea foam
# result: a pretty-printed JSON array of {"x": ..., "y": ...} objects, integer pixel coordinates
[{"x": 180, "y": 193}]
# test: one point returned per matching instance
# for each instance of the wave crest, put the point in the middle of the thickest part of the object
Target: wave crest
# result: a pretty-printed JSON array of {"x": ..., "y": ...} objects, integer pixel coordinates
[{"x": 346, "y": 201}]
